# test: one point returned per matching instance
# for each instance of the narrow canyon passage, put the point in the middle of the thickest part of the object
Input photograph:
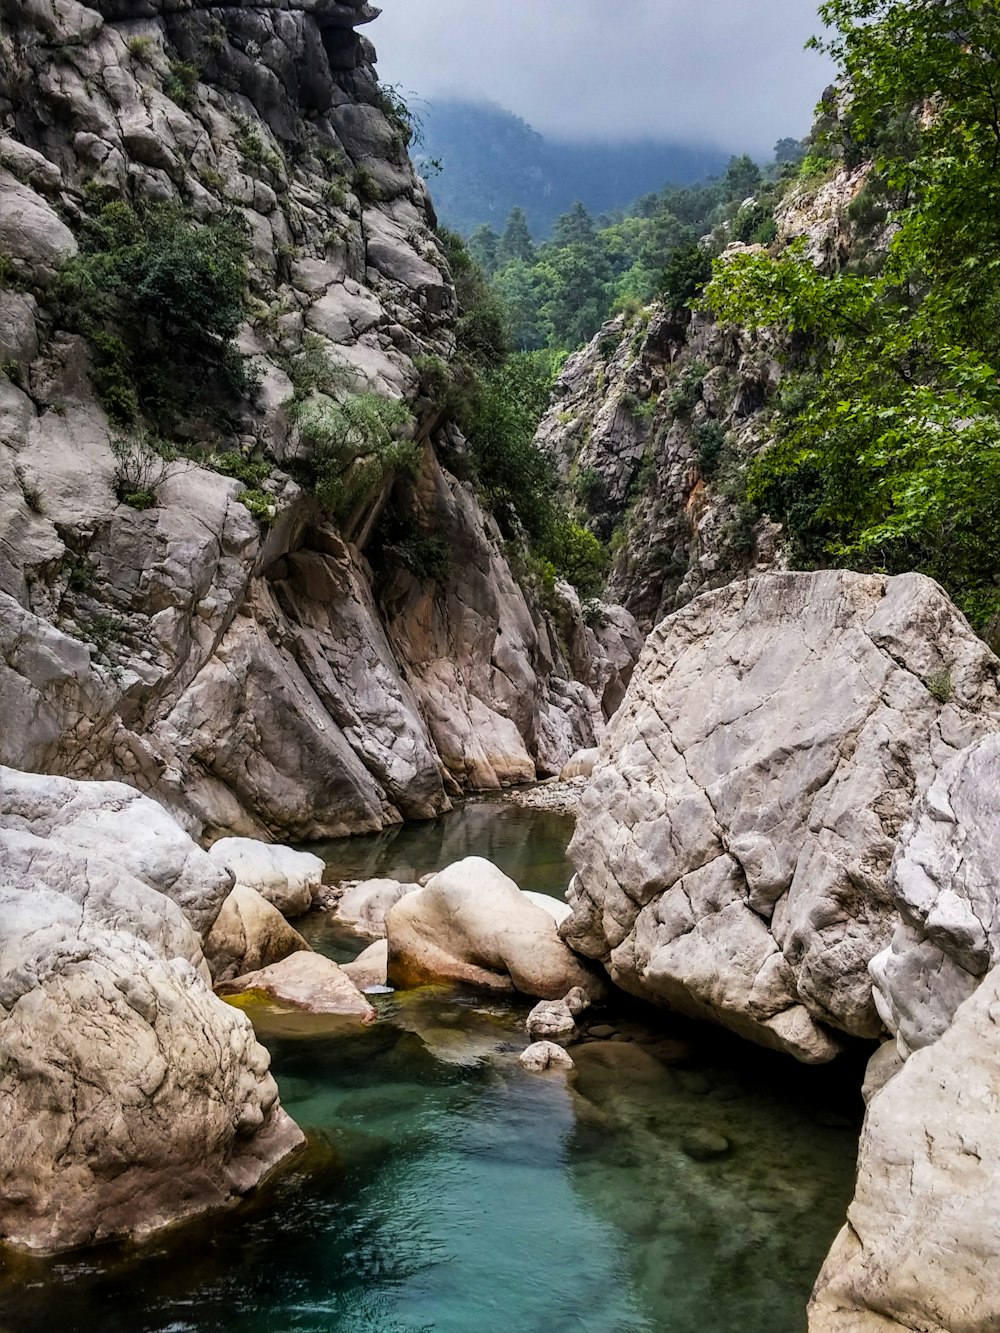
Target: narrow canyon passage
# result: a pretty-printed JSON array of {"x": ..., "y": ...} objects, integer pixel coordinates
[{"x": 444, "y": 1188}]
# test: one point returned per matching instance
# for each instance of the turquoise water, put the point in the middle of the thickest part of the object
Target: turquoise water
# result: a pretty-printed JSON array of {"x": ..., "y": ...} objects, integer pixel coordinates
[{"x": 445, "y": 1189}]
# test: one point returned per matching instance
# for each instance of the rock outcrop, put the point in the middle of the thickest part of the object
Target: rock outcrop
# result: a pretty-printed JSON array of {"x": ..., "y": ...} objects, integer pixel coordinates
[
  {"x": 132, "y": 1097},
  {"x": 921, "y": 1248},
  {"x": 472, "y": 924},
  {"x": 285, "y": 678},
  {"x": 945, "y": 881},
  {"x": 734, "y": 843},
  {"x": 914, "y": 1254}
]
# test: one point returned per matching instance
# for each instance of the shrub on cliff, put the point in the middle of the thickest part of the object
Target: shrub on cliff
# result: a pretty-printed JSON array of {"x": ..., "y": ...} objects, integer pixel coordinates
[{"x": 161, "y": 297}]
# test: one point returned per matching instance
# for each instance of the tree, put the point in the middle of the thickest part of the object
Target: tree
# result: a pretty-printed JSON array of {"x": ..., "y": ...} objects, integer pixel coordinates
[
  {"x": 516, "y": 242},
  {"x": 789, "y": 150},
  {"x": 484, "y": 247},
  {"x": 887, "y": 453},
  {"x": 742, "y": 178},
  {"x": 574, "y": 228}
]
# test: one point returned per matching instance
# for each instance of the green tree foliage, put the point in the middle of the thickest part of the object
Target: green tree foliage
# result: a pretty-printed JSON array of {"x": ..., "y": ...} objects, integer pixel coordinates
[
  {"x": 161, "y": 296},
  {"x": 558, "y": 294},
  {"x": 890, "y": 456},
  {"x": 352, "y": 447}
]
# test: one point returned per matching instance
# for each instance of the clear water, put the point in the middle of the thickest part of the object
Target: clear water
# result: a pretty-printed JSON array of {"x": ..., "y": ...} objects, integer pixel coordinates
[{"x": 445, "y": 1189}]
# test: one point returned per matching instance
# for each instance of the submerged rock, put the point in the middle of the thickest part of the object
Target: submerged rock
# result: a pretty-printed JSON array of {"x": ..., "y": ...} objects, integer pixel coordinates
[
  {"x": 308, "y": 981},
  {"x": 543, "y": 1055},
  {"x": 471, "y": 923},
  {"x": 249, "y": 934},
  {"x": 287, "y": 879},
  {"x": 733, "y": 845},
  {"x": 132, "y": 1098}
]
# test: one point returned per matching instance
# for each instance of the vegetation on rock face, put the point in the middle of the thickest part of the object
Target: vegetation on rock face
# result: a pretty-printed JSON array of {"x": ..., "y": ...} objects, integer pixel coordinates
[
  {"x": 160, "y": 297},
  {"x": 889, "y": 456}
]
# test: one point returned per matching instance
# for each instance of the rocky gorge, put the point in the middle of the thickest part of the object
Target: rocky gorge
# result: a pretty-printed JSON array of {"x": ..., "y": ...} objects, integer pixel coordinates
[{"x": 786, "y": 794}]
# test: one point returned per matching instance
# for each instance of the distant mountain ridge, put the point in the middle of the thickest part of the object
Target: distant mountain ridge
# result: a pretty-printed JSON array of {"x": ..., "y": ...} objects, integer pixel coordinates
[{"x": 492, "y": 160}]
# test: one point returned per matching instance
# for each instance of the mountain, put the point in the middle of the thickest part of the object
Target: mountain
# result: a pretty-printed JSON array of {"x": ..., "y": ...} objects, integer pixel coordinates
[{"x": 491, "y": 160}]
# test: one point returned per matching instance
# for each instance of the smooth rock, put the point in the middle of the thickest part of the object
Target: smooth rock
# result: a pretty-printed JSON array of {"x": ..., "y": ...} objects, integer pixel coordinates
[
  {"x": 704, "y": 1146},
  {"x": 579, "y": 765},
  {"x": 287, "y": 879},
  {"x": 249, "y": 934},
  {"x": 363, "y": 906},
  {"x": 921, "y": 1248},
  {"x": 370, "y": 967},
  {"x": 734, "y": 841},
  {"x": 555, "y": 1020},
  {"x": 308, "y": 981},
  {"x": 543, "y": 1055},
  {"x": 555, "y": 907},
  {"x": 473, "y": 924}
]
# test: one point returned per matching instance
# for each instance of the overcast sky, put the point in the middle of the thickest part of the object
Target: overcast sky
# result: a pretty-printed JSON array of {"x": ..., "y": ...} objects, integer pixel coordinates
[{"x": 729, "y": 72}]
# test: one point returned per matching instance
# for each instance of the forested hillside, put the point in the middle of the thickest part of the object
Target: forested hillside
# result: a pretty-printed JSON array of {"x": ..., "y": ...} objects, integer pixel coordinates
[{"x": 492, "y": 161}]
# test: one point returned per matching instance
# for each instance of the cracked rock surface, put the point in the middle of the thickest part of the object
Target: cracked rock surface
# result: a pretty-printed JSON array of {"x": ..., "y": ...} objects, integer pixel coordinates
[
  {"x": 733, "y": 846},
  {"x": 132, "y": 1097},
  {"x": 921, "y": 1248}
]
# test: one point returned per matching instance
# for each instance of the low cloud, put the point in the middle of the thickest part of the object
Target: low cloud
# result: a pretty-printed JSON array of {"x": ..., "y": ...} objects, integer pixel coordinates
[{"x": 727, "y": 72}]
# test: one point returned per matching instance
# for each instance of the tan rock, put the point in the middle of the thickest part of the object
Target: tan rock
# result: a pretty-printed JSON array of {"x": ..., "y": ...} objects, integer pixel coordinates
[
  {"x": 579, "y": 765},
  {"x": 370, "y": 967},
  {"x": 249, "y": 934},
  {"x": 473, "y": 924},
  {"x": 307, "y": 981}
]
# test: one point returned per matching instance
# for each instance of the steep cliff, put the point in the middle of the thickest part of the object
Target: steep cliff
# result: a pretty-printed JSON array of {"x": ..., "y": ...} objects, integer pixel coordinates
[
  {"x": 240, "y": 658},
  {"x": 655, "y": 422}
]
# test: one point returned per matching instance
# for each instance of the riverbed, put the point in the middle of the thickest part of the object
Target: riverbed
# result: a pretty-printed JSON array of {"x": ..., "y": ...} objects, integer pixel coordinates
[{"x": 680, "y": 1181}]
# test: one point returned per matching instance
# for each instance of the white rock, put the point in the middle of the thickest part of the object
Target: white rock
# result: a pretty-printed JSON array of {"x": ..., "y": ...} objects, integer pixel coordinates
[
  {"x": 363, "y": 906},
  {"x": 556, "y": 907},
  {"x": 287, "y": 879},
  {"x": 579, "y": 765},
  {"x": 543, "y": 1055},
  {"x": 307, "y": 981},
  {"x": 921, "y": 1248},
  {"x": 733, "y": 844},
  {"x": 370, "y": 967},
  {"x": 473, "y": 924}
]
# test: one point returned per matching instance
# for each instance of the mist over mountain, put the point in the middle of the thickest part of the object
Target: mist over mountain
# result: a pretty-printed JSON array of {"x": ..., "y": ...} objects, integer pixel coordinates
[{"x": 492, "y": 160}]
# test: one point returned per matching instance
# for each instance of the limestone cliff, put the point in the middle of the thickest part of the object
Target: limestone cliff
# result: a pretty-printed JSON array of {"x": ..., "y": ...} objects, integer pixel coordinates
[
  {"x": 655, "y": 422},
  {"x": 259, "y": 678}
]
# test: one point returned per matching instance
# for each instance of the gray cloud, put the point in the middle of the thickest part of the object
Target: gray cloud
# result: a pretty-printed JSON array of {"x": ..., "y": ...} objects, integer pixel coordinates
[{"x": 731, "y": 72}]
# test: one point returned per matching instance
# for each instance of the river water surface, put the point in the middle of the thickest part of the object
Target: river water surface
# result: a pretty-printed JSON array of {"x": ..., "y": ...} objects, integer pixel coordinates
[{"x": 445, "y": 1190}]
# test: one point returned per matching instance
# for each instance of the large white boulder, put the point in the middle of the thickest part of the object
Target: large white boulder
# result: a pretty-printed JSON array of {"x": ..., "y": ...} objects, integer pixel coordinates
[
  {"x": 945, "y": 879},
  {"x": 123, "y": 826},
  {"x": 132, "y": 1098},
  {"x": 287, "y": 879},
  {"x": 921, "y": 1248},
  {"x": 470, "y": 923},
  {"x": 733, "y": 844}
]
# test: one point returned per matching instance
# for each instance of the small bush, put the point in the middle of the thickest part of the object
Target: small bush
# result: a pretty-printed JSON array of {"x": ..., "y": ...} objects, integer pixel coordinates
[
  {"x": 687, "y": 388},
  {"x": 579, "y": 557},
  {"x": 591, "y": 489},
  {"x": 711, "y": 444},
  {"x": 335, "y": 192},
  {"x": 940, "y": 685},
  {"x": 687, "y": 273},
  {"x": 140, "y": 48},
  {"x": 140, "y": 469},
  {"x": 180, "y": 86},
  {"x": 251, "y": 471},
  {"x": 260, "y": 504},
  {"x": 353, "y": 447},
  {"x": 366, "y": 186}
]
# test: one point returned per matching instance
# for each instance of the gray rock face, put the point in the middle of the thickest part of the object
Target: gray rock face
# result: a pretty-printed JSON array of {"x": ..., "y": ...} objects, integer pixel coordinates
[
  {"x": 734, "y": 842},
  {"x": 921, "y": 1248},
  {"x": 132, "y": 1097},
  {"x": 265, "y": 684},
  {"x": 945, "y": 879}
]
